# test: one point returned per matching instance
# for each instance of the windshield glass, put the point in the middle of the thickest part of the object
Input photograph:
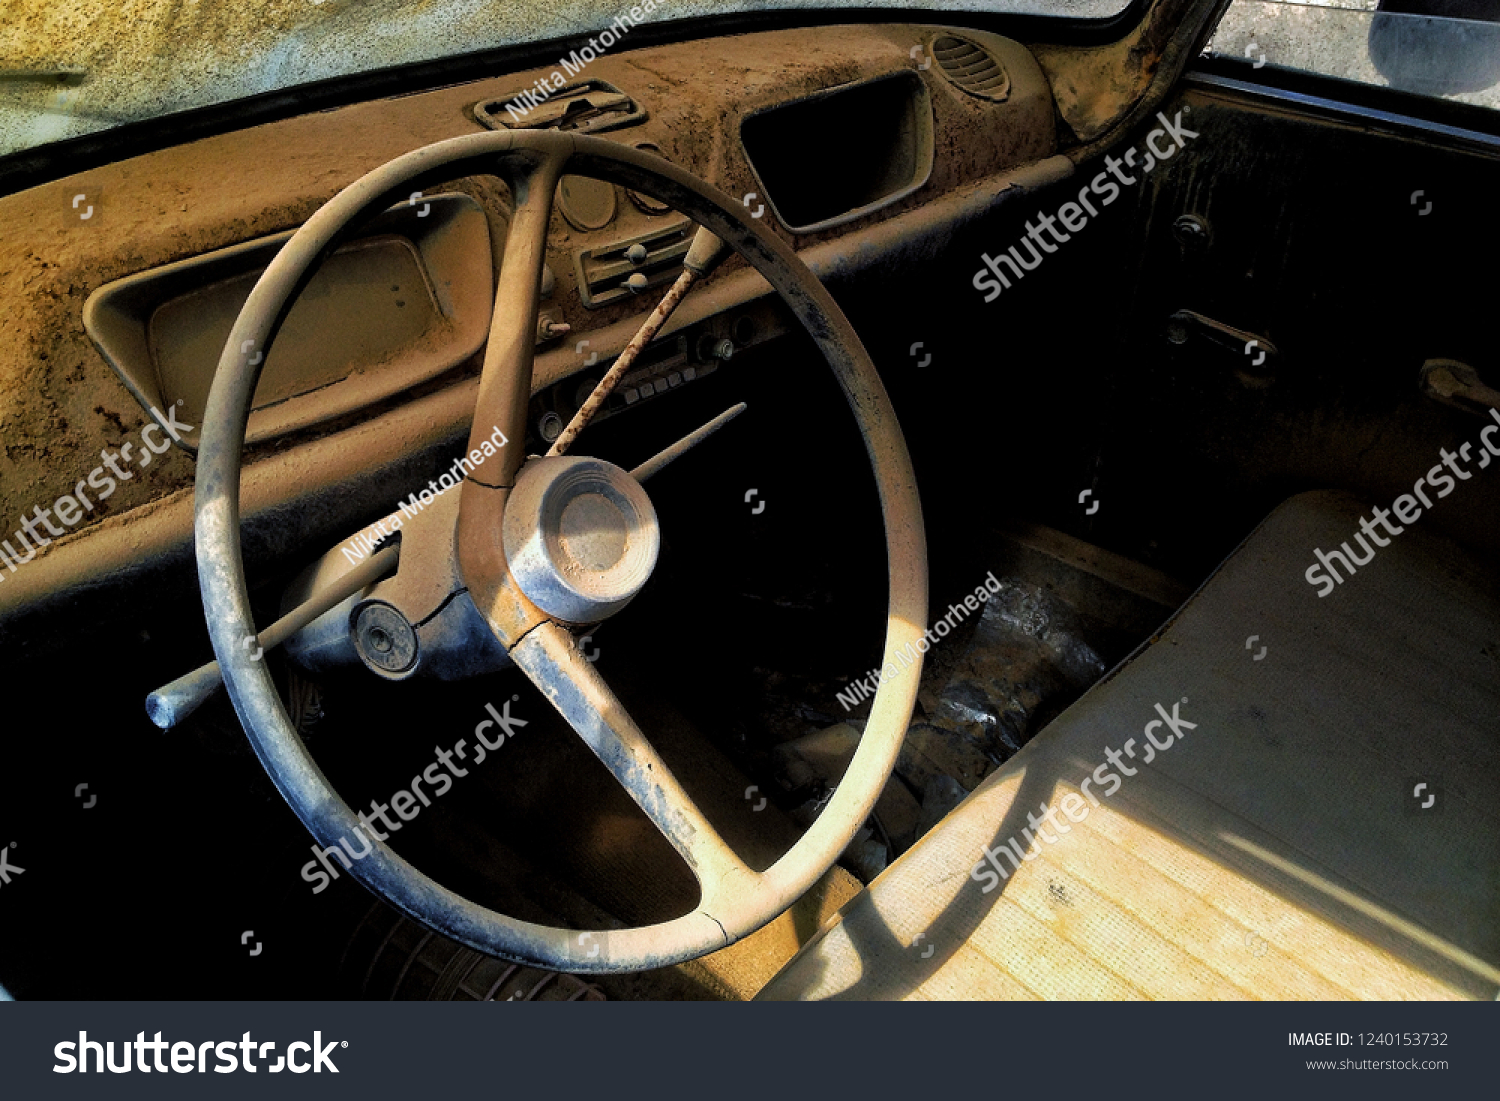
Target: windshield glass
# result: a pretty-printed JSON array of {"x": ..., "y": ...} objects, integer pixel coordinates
[{"x": 71, "y": 67}]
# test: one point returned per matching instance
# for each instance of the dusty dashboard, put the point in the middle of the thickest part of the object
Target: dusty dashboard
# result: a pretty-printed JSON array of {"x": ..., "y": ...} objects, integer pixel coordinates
[
  {"x": 849, "y": 141},
  {"x": 814, "y": 134}
]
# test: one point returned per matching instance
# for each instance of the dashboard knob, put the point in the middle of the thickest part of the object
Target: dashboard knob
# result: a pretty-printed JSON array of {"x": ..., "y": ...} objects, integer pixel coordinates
[{"x": 637, "y": 283}]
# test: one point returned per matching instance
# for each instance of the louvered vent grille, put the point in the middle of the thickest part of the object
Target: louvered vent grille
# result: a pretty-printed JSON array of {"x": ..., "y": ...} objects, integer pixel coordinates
[
  {"x": 603, "y": 272},
  {"x": 971, "y": 67}
]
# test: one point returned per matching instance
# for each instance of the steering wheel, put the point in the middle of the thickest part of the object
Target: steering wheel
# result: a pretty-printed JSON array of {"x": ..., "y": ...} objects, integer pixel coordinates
[{"x": 735, "y": 900}]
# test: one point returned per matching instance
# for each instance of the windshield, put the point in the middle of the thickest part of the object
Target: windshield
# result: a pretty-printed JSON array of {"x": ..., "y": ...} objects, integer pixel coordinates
[{"x": 72, "y": 67}]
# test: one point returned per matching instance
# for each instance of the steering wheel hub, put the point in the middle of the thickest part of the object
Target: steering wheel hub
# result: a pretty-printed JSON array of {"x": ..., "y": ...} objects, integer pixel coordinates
[{"x": 581, "y": 537}]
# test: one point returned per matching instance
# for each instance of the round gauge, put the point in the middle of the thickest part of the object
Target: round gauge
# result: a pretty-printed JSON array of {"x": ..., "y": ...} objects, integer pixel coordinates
[
  {"x": 646, "y": 202},
  {"x": 585, "y": 203}
]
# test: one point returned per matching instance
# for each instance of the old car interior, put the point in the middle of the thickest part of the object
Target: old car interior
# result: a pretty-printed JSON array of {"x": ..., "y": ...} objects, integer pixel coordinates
[{"x": 615, "y": 692}]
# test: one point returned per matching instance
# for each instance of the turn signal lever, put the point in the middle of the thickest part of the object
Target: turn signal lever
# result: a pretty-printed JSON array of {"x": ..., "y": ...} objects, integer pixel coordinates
[{"x": 172, "y": 703}]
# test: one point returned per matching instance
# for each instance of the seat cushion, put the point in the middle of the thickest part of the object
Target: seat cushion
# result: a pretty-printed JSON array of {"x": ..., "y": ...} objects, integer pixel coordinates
[{"x": 1233, "y": 812}]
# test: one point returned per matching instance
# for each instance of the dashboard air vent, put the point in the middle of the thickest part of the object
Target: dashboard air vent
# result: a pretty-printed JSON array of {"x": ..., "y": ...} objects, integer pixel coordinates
[{"x": 971, "y": 67}]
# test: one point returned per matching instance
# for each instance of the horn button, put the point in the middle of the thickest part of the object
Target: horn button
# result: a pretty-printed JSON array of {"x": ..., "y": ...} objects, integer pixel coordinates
[{"x": 580, "y": 535}]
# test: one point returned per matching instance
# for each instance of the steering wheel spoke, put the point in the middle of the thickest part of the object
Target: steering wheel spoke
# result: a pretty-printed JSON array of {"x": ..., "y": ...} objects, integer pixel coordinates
[
  {"x": 505, "y": 394},
  {"x": 549, "y": 656},
  {"x": 505, "y": 385}
]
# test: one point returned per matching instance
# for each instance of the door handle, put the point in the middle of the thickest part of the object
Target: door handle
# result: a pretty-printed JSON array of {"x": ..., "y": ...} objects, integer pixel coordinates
[
  {"x": 1257, "y": 354},
  {"x": 1457, "y": 384}
]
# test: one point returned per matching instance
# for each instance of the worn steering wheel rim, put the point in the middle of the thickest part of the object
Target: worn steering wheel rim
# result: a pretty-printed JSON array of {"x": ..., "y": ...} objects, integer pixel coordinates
[{"x": 738, "y": 900}]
